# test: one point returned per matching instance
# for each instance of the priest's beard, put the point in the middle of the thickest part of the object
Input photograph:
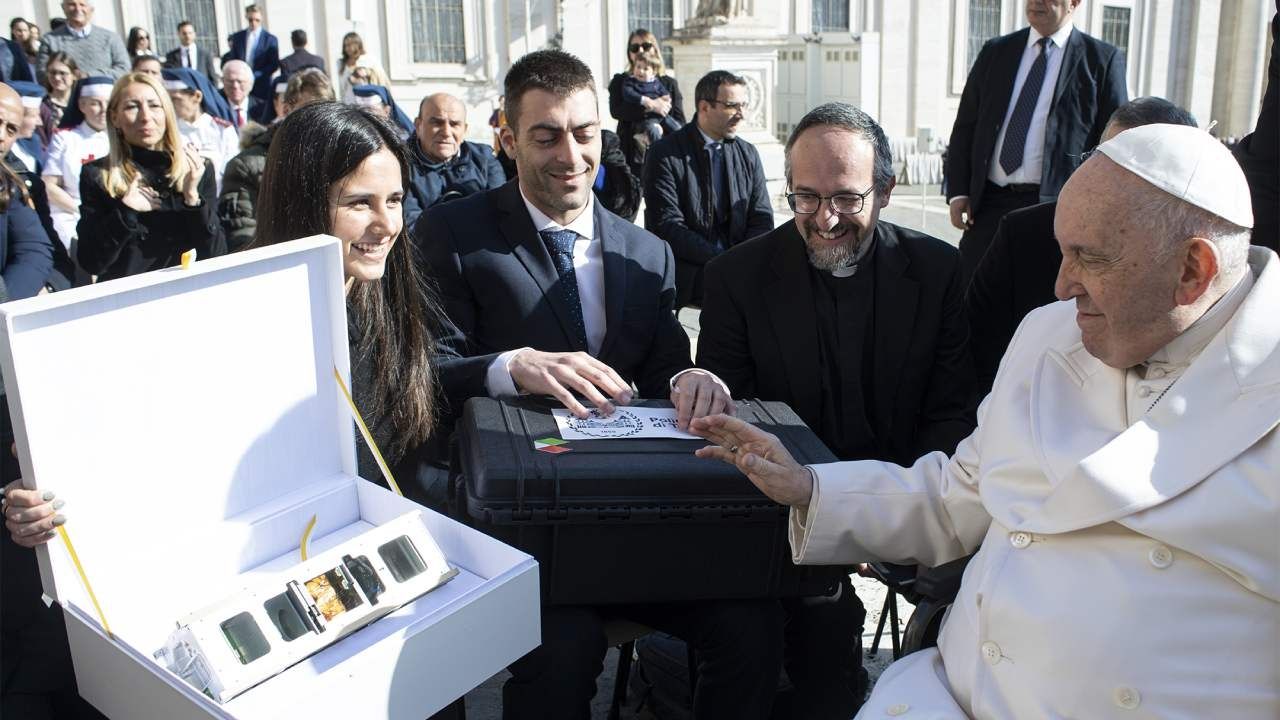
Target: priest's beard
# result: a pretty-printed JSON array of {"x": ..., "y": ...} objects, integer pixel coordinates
[{"x": 827, "y": 257}]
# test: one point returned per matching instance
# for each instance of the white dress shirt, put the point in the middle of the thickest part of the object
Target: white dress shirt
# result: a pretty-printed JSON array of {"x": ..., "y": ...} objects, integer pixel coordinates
[
  {"x": 1032, "y": 155},
  {"x": 588, "y": 270},
  {"x": 250, "y": 42},
  {"x": 82, "y": 32}
]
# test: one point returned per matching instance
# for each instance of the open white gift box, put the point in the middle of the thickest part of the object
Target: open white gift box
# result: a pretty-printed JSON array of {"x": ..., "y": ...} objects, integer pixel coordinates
[{"x": 191, "y": 421}]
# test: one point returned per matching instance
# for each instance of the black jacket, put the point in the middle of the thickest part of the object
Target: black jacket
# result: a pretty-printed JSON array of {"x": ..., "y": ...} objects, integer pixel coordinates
[
  {"x": 204, "y": 59},
  {"x": 473, "y": 169},
  {"x": 677, "y": 198},
  {"x": 1091, "y": 85},
  {"x": 494, "y": 278},
  {"x": 299, "y": 59},
  {"x": 759, "y": 333},
  {"x": 1016, "y": 276},
  {"x": 621, "y": 191},
  {"x": 630, "y": 115},
  {"x": 1259, "y": 154},
  {"x": 117, "y": 241}
]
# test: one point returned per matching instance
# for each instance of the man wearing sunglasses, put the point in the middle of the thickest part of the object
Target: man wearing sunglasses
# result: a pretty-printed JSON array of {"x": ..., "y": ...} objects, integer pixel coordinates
[
  {"x": 859, "y": 326},
  {"x": 704, "y": 188}
]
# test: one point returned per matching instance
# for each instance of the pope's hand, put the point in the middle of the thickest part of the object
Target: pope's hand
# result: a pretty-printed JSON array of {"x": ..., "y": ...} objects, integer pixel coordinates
[
  {"x": 759, "y": 455},
  {"x": 698, "y": 393},
  {"x": 30, "y": 515}
]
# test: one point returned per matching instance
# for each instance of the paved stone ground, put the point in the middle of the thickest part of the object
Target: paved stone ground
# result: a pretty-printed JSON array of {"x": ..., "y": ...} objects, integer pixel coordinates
[{"x": 905, "y": 208}]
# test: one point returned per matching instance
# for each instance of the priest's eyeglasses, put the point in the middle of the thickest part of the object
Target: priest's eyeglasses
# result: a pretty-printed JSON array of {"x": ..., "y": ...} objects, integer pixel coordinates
[{"x": 803, "y": 203}]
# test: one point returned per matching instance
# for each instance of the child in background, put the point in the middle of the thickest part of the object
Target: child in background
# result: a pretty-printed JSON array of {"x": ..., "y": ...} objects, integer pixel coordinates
[{"x": 643, "y": 82}]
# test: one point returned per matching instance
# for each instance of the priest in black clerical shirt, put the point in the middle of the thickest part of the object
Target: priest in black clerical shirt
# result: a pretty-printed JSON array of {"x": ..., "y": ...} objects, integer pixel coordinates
[{"x": 859, "y": 325}]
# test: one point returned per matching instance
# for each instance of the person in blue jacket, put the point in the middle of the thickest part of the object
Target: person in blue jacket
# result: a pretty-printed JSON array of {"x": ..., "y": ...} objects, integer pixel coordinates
[
  {"x": 26, "y": 253},
  {"x": 446, "y": 167}
]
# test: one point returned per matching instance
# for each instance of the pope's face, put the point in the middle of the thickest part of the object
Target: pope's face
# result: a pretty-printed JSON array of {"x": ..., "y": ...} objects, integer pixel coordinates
[{"x": 1123, "y": 287}]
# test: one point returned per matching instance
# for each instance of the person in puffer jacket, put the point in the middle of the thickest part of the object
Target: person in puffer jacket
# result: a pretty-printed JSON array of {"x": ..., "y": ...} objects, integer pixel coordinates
[{"x": 446, "y": 167}]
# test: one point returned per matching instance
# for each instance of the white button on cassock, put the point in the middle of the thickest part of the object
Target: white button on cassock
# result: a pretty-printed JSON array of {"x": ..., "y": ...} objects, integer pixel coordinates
[
  {"x": 1161, "y": 557},
  {"x": 896, "y": 710},
  {"x": 990, "y": 652},
  {"x": 1019, "y": 539},
  {"x": 1127, "y": 698}
]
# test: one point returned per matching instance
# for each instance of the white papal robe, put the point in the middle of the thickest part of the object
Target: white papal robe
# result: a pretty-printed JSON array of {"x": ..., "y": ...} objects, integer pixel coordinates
[{"x": 1130, "y": 539}]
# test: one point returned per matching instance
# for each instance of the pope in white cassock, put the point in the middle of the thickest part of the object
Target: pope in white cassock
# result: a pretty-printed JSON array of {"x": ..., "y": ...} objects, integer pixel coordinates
[{"x": 1122, "y": 488}]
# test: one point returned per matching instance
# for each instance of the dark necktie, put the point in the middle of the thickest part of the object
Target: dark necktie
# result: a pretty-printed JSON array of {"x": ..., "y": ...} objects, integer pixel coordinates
[
  {"x": 239, "y": 118},
  {"x": 560, "y": 244},
  {"x": 1015, "y": 135},
  {"x": 719, "y": 191},
  {"x": 186, "y": 58}
]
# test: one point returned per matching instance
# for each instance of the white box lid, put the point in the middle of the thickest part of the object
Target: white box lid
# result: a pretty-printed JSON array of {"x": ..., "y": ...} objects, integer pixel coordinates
[{"x": 169, "y": 410}]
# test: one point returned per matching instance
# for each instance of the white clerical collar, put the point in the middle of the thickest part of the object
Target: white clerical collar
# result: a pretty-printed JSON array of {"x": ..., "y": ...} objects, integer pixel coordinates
[
  {"x": 1059, "y": 38},
  {"x": 82, "y": 32},
  {"x": 584, "y": 225},
  {"x": 1183, "y": 350}
]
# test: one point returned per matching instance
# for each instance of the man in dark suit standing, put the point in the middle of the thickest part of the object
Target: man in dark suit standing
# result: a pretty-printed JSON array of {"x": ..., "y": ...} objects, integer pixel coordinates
[
  {"x": 859, "y": 325},
  {"x": 188, "y": 54},
  {"x": 548, "y": 293},
  {"x": 257, "y": 47},
  {"x": 1034, "y": 102},
  {"x": 300, "y": 58},
  {"x": 704, "y": 188},
  {"x": 1018, "y": 271}
]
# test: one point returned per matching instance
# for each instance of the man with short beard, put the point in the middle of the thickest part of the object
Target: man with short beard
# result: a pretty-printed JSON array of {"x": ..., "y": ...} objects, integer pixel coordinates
[
  {"x": 704, "y": 187},
  {"x": 859, "y": 326}
]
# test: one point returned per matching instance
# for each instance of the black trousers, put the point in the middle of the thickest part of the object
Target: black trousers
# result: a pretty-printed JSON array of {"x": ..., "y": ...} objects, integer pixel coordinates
[
  {"x": 996, "y": 203},
  {"x": 823, "y": 656},
  {"x": 738, "y": 646}
]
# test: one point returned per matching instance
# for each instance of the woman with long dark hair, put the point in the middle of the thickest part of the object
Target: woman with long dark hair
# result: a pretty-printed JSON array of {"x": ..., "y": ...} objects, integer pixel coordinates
[
  {"x": 139, "y": 43},
  {"x": 152, "y": 198},
  {"x": 337, "y": 169}
]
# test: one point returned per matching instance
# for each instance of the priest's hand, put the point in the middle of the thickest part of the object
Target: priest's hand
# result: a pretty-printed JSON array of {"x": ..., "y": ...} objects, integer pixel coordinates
[
  {"x": 698, "y": 393},
  {"x": 30, "y": 515},
  {"x": 560, "y": 375},
  {"x": 759, "y": 455}
]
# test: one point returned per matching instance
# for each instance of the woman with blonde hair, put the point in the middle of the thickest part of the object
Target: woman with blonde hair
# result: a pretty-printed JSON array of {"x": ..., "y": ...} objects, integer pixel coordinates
[
  {"x": 630, "y": 109},
  {"x": 152, "y": 198}
]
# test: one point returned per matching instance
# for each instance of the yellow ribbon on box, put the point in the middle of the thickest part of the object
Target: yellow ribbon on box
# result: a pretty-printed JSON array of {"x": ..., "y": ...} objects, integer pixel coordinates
[{"x": 84, "y": 578}]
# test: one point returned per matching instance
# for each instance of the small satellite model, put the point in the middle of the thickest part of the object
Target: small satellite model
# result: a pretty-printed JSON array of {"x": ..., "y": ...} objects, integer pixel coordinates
[{"x": 281, "y": 619}]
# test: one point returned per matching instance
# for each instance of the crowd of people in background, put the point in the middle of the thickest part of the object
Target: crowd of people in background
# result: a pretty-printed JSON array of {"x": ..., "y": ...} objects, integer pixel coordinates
[{"x": 480, "y": 269}]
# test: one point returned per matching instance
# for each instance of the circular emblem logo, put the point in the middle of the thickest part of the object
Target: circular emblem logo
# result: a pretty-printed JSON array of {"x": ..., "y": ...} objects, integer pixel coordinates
[{"x": 622, "y": 423}]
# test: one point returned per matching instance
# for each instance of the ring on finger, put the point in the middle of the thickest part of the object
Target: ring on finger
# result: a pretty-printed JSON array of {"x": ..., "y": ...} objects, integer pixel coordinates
[{"x": 734, "y": 449}]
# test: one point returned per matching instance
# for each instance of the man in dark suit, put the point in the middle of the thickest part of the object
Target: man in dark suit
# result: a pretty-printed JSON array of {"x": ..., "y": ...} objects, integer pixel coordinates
[
  {"x": 1018, "y": 272},
  {"x": 300, "y": 58},
  {"x": 704, "y": 188},
  {"x": 189, "y": 55},
  {"x": 257, "y": 47},
  {"x": 859, "y": 325},
  {"x": 548, "y": 293},
  {"x": 1034, "y": 102}
]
